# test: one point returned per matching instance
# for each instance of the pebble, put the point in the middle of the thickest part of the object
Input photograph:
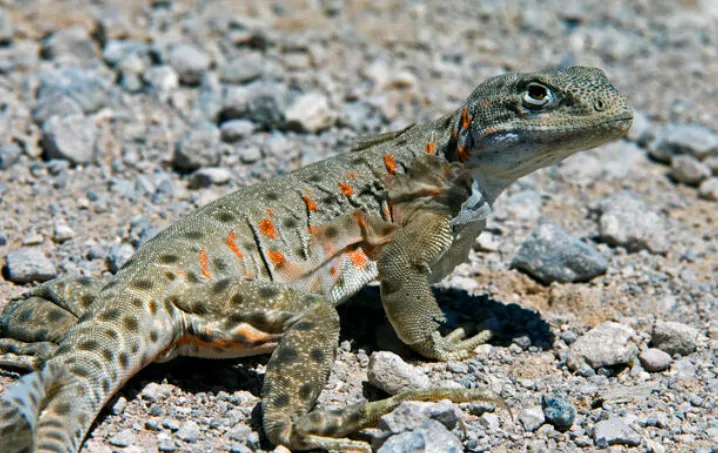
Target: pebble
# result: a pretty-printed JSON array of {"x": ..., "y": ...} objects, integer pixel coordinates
[
  {"x": 29, "y": 264},
  {"x": 190, "y": 62},
  {"x": 235, "y": 130},
  {"x": 188, "y": 432},
  {"x": 550, "y": 255},
  {"x": 7, "y": 29},
  {"x": 249, "y": 154},
  {"x": 72, "y": 44},
  {"x": 689, "y": 170},
  {"x": 675, "y": 139},
  {"x": 627, "y": 221},
  {"x": 164, "y": 79},
  {"x": 9, "y": 154},
  {"x": 606, "y": 345},
  {"x": 674, "y": 337},
  {"x": 119, "y": 254},
  {"x": 153, "y": 392},
  {"x": 60, "y": 105},
  {"x": 198, "y": 148},
  {"x": 70, "y": 137},
  {"x": 615, "y": 431},
  {"x": 531, "y": 418},
  {"x": 430, "y": 437},
  {"x": 709, "y": 189},
  {"x": 90, "y": 90},
  {"x": 123, "y": 439},
  {"x": 309, "y": 113},
  {"x": 558, "y": 411},
  {"x": 654, "y": 360},
  {"x": 266, "y": 103},
  {"x": 61, "y": 232},
  {"x": 390, "y": 373},
  {"x": 242, "y": 69},
  {"x": 205, "y": 177},
  {"x": 410, "y": 414}
]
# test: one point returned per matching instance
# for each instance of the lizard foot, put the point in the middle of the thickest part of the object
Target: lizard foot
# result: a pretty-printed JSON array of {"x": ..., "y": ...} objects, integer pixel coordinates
[{"x": 455, "y": 345}]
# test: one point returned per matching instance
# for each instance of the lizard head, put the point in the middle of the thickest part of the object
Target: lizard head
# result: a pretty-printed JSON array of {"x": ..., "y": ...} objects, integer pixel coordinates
[{"x": 514, "y": 124}]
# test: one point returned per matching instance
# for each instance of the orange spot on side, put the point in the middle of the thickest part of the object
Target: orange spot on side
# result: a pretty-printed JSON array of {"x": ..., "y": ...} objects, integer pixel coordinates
[
  {"x": 454, "y": 133},
  {"x": 360, "y": 219},
  {"x": 465, "y": 118},
  {"x": 430, "y": 148},
  {"x": 463, "y": 153},
  {"x": 358, "y": 258},
  {"x": 233, "y": 245},
  {"x": 248, "y": 275},
  {"x": 181, "y": 274},
  {"x": 204, "y": 262},
  {"x": 390, "y": 163},
  {"x": 276, "y": 257},
  {"x": 270, "y": 212},
  {"x": 311, "y": 229},
  {"x": 351, "y": 175},
  {"x": 387, "y": 211},
  {"x": 333, "y": 271},
  {"x": 311, "y": 205},
  {"x": 485, "y": 103},
  {"x": 346, "y": 189},
  {"x": 266, "y": 227}
]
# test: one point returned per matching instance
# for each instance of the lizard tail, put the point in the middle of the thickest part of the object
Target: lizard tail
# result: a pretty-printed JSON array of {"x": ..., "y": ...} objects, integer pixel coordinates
[{"x": 20, "y": 406}]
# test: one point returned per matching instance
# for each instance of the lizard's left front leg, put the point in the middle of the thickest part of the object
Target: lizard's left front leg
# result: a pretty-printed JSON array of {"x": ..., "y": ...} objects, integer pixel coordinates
[{"x": 404, "y": 267}]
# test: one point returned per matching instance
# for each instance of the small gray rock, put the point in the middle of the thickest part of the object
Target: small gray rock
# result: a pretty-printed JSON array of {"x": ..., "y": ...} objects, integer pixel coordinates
[
  {"x": 675, "y": 139},
  {"x": 615, "y": 431},
  {"x": 188, "y": 432},
  {"x": 124, "y": 438},
  {"x": 390, "y": 373},
  {"x": 242, "y": 69},
  {"x": 61, "y": 232},
  {"x": 642, "y": 130},
  {"x": 153, "y": 392},
  {"x": 198, "y": 148},
  {"x": 654, "y": 360},
  {"x": 606, "y": 345},
  {"x": 59, "y": 105},
  {"x": 171, "y": 423},
  {"x": 558, "y": 411},
  {"x": 70, "y": 137},
  {"x": 167, "y": 446},
  {"x": 206, "y": 177},
  {"x": 709, "y": 189},
  {"x": 9, "y": 154},
  {"x": 628, "y": 222},
  {"x": 688, "y": 170},
  {"x": 266, "y": 103},
  {"x": 86, "y": 87},
  {"x": 674, "y": 337},
  {"x": 309, "y": 113},
  {"x": 119, "y": 255},
  {"x": 70, "y": 44},
  {"x": 161, "y": 78},
  {"x": 7, "y": 30},
  {"x": 410, "y": 414},
  {"x": 29, "y": 264},
  {"x": 115, "y": 50},
  {"x": 235, "y": 130},
  {"x": 430, "y": 437},
  {"x": 531, "y": 418},
  {"x": 249, "y": 154},
  {"x": 190, "y": 62},
  {"x": 551, "y": 255}
]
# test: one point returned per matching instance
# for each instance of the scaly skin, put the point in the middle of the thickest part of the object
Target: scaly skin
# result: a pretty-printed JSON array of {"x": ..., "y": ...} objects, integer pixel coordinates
[{"x": 262, "y": 269}]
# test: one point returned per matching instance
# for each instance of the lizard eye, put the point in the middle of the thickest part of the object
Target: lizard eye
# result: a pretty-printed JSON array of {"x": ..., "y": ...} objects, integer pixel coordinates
[{"x": 537, "y": 95}]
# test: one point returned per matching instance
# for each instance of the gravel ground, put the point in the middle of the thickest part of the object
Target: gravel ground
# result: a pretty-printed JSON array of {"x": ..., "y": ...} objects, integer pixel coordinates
[{"x": 119, "y": 117}]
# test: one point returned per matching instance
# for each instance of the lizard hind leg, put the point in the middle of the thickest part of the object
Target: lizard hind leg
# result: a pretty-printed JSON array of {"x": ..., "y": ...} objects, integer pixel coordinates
[{"x": 32, "y": 325}]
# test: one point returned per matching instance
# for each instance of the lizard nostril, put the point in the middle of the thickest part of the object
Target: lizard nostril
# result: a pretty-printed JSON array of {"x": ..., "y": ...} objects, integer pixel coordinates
[{"x": 598, "y": 105}]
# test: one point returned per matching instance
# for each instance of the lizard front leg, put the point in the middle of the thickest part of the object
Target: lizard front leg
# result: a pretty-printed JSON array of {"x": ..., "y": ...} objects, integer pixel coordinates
[{"x": 404, "y": 268}]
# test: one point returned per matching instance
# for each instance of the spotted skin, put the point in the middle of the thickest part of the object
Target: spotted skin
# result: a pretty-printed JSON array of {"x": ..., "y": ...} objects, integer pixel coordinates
[{"x": 262, "y": 270}]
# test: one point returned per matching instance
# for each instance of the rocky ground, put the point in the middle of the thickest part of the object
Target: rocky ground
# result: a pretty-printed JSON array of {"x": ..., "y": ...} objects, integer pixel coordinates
[{"x": 599, "y": 275}]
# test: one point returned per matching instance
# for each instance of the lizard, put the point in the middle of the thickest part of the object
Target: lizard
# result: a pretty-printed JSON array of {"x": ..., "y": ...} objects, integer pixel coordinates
[{"x": 261, "y": 270}]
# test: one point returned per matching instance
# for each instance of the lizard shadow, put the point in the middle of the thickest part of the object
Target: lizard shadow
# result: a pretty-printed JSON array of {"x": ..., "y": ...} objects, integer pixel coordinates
[{"x": 510, "y": 323}]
